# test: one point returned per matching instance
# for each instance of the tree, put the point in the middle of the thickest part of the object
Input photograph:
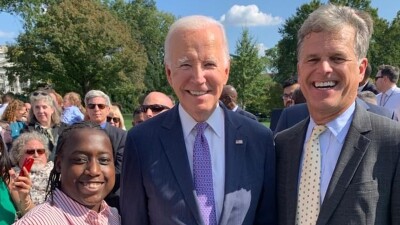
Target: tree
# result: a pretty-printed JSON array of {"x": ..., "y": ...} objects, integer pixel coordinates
[
  {"x": 246, "y": 67},
  {"x": 151, "y": 27},
  {"x": 286, "y": 61},
  {"x": 79, "y": 46}
]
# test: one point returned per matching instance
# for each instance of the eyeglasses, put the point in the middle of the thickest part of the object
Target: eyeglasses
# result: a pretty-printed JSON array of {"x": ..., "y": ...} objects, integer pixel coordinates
[
  {"x": 156, "y": 108},
  {"x": 39, "y": 151},
  {"x": 287, "y": 96},
  {"x": 100, "y": 106},
  {"x": 36, "y": 93},
  {"x": 376, "y": 78},
  {"x": 114, "y": 119}
]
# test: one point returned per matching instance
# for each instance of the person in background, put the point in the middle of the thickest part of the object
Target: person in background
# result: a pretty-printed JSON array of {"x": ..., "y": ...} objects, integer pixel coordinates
[
  {"x": 386, "y": 82},
  {"x": 82, "y": 176},
  {"x": 28, "y": 109},
  {"x": 229, "y": 98},
  {"x": 13, "y": 121},
  {"x": 298, "y": 96},
  {"x": 366, "y": 84},
  {"x": 341, "y": 165},
  {"x": 115, "y": 117},
  {"x": 45, "y": 119},
  {"x": 138, "y": 116},
  {"x": 73, "y": 111},
  {"x": 289, "y": 86},
  {"x": 6, "y": 99},
  {"x": 154, "y": 103},
  {"x": 33, "y": 145},
  {"x": 98, "y": 107},
  {"x": 198, "y": 163}
]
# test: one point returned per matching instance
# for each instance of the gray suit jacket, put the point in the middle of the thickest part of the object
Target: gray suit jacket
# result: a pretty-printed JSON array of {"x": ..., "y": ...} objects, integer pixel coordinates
[
  {"x": 157, "y": 185},
  {"x": 365, "y": 185}
]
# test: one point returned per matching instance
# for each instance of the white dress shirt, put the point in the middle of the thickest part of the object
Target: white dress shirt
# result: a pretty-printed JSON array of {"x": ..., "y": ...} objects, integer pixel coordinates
[
  {"x": 331, "y": 144},
  {"x": 215, "y": 134},
  {"x": 392, "y": 100}
]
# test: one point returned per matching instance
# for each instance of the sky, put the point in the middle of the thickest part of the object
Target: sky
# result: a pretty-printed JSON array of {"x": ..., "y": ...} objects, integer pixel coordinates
[{"x": 263, "y": 18}]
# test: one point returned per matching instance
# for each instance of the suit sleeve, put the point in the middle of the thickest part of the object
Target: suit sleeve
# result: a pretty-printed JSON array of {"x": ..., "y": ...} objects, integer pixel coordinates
[
  {"x": 266, "y": 210},
  {"x": 120, "y": 152},
  {"x": 282, "y": 123},
  {"x": 133, "y": 196},
  {"x": 395, "y": 201}
]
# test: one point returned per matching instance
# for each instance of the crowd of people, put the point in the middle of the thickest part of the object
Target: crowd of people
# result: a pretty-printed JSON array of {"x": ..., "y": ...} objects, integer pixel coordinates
[{"x": 334, "y": 157}]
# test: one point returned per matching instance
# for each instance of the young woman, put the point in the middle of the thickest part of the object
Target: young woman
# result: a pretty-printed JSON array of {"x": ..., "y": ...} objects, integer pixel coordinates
[{"x": 83, "y": 175}]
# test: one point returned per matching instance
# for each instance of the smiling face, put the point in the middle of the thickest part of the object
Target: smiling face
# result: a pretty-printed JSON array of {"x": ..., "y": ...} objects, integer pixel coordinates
[
  {"x": 329, "y": 73},
  {"x": 43, "y": 111},
  {"x": 87, "y": 167},
  {"x": 198, "y": 69}
]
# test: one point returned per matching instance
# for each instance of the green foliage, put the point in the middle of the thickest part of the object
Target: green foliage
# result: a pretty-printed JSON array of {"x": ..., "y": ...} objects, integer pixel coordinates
[
  {"x": 246, "y": 67},
  {"x": 150, "y": 27},
  {"x": 79, "y": 46},
  {"x": 286, "y": 61}
]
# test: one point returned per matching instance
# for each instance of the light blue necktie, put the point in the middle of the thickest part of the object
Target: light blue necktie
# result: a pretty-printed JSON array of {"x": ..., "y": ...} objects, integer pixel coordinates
[{"x": 202, "y": 174}]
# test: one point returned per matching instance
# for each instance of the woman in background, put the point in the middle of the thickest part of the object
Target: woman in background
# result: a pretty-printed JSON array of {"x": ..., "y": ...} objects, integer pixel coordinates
[
  {"x": 45, "y": 119},
  {"x": 115, "y": 117},
  {"x": 13, "y": 121}
]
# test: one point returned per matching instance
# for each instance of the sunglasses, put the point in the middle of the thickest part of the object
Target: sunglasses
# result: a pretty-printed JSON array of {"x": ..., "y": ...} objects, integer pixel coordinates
[
  {"x": 114, "y": 119},
  {"x": 156, "y": 108},
  {"x": 100, "y": 106},
  {"x": 39, "y": 151},
  {"x": 36, "y": 93}
]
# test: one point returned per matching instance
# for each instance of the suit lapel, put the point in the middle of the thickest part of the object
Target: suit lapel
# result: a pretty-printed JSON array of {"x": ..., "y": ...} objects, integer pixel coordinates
[
  {"x": 235, "y": 149},
  {"x": 354, "y": 148},
  {"x": 175, "y": 150},
  {"x": 295, "y": 141}
]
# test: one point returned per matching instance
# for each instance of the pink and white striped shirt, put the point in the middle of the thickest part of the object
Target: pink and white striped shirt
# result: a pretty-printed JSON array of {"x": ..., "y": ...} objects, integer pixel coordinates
[{"x": 67, "y": 211}]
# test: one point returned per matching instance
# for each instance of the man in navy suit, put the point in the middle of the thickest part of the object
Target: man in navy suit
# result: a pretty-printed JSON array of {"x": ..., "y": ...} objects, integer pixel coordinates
[
  {"x": 229, "y": 98},
  {"x": 158, "y": 172}
]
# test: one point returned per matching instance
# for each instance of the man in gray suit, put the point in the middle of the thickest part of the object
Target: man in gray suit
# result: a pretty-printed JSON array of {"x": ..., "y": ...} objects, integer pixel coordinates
[
  {"x": 161, "y": 171},
  {"x": 359, "y": 151}
]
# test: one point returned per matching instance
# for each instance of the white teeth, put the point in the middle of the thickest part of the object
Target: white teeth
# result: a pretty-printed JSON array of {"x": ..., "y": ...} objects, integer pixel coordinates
[
  {"x": 326, "y": 84},
  {"x": 91, "y": 185},
  {"x": 197, "y": 93}
]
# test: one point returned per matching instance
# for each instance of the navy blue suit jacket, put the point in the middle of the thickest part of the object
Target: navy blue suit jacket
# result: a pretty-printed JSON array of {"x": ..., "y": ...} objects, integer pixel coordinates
[
  {"x": 157, "y": 185},
  {"x": 296, "y": 113}
]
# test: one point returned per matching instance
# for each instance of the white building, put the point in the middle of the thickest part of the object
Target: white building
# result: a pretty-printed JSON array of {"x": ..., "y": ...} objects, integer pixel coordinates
[{"x": 5, "y": 86}]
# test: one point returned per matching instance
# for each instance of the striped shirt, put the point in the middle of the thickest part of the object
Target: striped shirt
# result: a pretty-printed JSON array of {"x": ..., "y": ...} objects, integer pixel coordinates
[{"x": 67, "y": 211}]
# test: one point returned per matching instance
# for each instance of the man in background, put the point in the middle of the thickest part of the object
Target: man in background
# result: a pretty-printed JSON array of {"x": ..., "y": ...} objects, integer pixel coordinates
[
  {"x": 154, "y": 103},
  {"x": 229, "y": 98}
]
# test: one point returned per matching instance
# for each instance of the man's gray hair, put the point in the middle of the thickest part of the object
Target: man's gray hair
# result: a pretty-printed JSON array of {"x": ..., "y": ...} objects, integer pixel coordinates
[
  {"x": 193, "y": 23},
  {"x": 332, "y": 18},
  {"x": 17, "y": 149},
  {"x": 96, "y": 93}
]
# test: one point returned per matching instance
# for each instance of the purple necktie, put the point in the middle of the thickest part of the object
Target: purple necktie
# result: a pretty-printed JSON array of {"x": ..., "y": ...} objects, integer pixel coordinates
[{"x": 202, "y": 173}]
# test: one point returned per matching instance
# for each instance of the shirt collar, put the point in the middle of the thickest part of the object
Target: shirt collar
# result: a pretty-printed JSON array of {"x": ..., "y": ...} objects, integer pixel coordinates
[
  {"x": 213, "y": 121},
  {"x": 339, "y": 126},
  {"x": 70, "y": 206}
]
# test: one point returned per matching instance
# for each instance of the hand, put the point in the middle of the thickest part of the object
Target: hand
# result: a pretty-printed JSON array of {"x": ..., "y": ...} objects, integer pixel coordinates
[{"x": 20, "y": 187}]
